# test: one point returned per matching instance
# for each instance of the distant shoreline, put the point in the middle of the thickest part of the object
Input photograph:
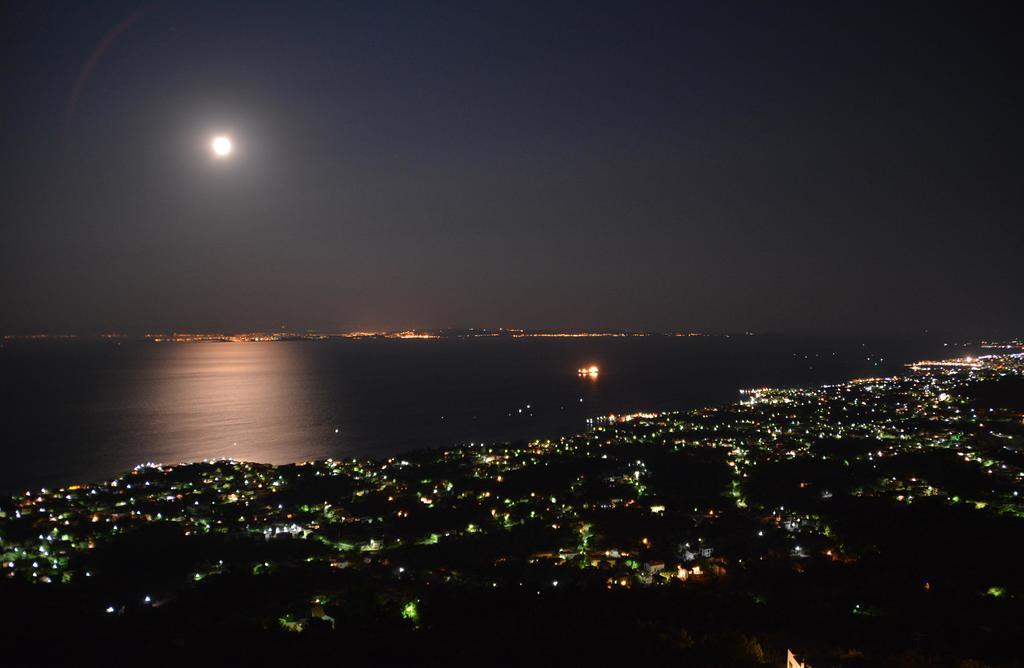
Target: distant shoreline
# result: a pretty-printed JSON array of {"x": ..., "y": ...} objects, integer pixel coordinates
[{"x": 414, "y": 334}]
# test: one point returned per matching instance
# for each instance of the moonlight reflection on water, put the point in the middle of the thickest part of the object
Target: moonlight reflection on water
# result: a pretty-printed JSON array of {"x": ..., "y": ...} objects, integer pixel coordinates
[{"x": 84, "y": 411}]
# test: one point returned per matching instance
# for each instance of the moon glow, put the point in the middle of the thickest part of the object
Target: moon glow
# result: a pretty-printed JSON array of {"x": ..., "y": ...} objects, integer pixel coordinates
[{"x": 221, "y": 146}]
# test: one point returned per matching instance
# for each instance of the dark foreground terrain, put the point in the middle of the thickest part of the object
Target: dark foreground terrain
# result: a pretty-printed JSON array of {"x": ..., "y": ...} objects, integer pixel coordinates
[{"x": 875, "y": 522}]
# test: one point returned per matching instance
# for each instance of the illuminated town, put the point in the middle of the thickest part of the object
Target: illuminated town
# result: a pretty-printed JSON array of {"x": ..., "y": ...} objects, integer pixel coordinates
[
  {"x": 837, "y": 521},
  {"x": 513, "y": 333},
  {"x": 408, "y": 334}
]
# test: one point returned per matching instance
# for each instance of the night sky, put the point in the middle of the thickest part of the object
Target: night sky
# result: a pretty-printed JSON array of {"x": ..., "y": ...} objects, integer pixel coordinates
[{"x": 715, "y": 166}]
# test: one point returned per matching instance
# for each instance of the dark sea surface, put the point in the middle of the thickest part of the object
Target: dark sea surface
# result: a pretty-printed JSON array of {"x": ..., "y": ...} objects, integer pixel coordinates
[{"x": 82, "y": 411}]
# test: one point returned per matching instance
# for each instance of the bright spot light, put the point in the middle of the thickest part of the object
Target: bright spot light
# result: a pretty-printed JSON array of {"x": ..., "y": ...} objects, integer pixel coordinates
[{"x": 221, "y": 146}]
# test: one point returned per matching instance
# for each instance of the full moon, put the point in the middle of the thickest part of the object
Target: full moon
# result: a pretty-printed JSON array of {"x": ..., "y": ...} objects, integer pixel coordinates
[{"x": 221, "y": 146}]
